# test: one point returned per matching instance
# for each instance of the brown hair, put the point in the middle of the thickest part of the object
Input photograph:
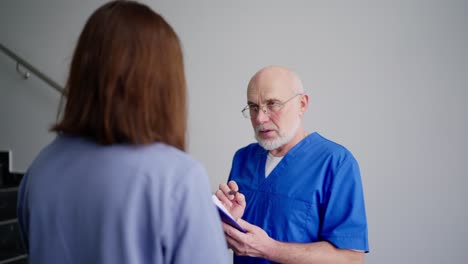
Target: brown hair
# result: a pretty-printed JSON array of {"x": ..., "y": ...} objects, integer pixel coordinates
[{"x": 126, "y": 82}]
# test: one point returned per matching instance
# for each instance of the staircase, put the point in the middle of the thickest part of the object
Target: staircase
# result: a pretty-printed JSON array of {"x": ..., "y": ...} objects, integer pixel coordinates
[{"x": 11, "y": 246}]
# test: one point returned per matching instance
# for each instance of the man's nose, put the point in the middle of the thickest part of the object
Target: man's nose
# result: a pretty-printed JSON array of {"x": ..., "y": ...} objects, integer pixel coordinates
[{"x": 262, "y": 115}]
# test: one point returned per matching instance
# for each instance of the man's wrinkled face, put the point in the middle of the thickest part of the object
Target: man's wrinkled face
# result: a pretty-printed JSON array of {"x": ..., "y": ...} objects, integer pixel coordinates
[{"x": 273, "y": 129}]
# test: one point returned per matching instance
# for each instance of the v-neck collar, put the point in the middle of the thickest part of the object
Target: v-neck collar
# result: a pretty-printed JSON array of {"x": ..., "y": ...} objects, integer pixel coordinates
[{"x": 265, "y": 183}]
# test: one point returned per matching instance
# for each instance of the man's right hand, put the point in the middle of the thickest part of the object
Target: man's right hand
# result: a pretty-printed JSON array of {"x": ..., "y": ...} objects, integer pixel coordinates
[{"x": 232, "y": 199}]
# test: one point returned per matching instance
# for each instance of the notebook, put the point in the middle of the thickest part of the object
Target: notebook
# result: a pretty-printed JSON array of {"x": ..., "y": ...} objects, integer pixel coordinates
[{"x": 226, "y": 217}]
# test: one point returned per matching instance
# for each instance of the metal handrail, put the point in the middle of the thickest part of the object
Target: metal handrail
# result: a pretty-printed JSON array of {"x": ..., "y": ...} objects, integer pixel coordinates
[{"x": 22, "y": 62}]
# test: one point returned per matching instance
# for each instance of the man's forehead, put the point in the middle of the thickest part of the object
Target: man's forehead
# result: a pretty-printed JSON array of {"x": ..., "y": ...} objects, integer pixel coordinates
[
  {"x": 268, "y": 91},
  {"x": 263, "y": 94}
]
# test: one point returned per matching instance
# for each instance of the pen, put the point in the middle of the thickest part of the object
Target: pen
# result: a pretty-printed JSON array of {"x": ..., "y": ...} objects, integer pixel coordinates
[{"x": 232, "y": 192}]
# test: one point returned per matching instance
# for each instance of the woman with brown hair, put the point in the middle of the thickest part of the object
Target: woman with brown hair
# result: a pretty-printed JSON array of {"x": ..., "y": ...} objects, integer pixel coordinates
[{"x": 116, "y": 185}]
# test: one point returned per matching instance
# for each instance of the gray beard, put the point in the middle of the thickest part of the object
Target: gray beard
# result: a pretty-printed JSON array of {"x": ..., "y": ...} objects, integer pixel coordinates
[{"x": 280, "y": 141}]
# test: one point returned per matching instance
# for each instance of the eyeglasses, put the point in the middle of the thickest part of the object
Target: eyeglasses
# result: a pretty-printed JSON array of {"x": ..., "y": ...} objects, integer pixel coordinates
[{"x": 252, "y": 110}]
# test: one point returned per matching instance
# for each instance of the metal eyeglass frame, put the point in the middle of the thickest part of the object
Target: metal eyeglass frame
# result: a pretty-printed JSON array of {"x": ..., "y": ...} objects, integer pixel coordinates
[{"x": 266, "y": 108}]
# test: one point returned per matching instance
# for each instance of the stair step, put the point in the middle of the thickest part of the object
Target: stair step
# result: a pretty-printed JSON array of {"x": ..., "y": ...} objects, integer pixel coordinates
[
  {"x": 8, "y": 200},
  {"x": 4, "y": 168},
  {"x": 10, "y": 240},
  {"x": 11, "y": 179},
  {"x": 7, "y": 177},
  {"x": 21, "y": 259}
]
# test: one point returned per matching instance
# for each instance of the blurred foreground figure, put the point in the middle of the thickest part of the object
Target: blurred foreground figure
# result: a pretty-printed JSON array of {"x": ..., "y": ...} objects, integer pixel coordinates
[{"x": 115, "y": 185}]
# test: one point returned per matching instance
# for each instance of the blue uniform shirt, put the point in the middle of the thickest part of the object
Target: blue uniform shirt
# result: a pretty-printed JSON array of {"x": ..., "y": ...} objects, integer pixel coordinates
[
  {"x": 81, "y": 202},
  {"x": 314, "y": 194}
]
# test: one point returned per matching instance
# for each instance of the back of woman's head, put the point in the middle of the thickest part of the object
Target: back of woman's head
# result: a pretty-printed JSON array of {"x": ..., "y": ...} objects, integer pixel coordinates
[{"x": 126, "y": 82}]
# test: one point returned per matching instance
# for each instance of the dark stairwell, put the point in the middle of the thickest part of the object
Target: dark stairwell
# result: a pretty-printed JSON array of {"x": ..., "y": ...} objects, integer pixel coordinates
[{"x": 11, "y": 246}]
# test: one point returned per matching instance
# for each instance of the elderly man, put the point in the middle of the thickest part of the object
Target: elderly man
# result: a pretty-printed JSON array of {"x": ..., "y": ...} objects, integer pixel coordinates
[{"x": 298, "y": 195}]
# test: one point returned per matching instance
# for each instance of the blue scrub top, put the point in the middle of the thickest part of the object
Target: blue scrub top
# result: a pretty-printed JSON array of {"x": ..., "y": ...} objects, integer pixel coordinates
[
  {"x": 314, "y": 194},
  {"x": 81, "y": 202}
]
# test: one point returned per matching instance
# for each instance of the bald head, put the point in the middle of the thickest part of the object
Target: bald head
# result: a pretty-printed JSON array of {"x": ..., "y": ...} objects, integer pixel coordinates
[
  {"x": 278, "y": 77},
  {"x": 278, "y": 92}
]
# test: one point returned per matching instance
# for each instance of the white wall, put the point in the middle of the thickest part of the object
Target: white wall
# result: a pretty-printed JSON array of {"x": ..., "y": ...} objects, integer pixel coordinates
[{"x": 387, "y": 80}]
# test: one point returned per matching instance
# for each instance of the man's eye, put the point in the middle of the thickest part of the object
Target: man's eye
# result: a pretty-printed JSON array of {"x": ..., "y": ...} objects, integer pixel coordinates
[
  {"x": 273, "y": 105},
  {"x": 253, "y": 107}
]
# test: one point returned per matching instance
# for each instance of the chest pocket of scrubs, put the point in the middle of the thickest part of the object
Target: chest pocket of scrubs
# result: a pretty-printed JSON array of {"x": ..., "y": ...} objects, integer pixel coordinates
[{"x": 292, "y": 220}]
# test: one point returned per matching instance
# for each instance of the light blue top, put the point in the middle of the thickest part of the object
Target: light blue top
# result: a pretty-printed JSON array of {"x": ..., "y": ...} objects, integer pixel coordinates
[
  {"x": 313, "y": 194},
  {"x": 80, "y": 202}
]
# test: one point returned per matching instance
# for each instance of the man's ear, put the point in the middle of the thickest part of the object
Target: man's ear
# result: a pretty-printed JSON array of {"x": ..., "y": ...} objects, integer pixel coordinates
[{"x": 304, "y": 104}]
